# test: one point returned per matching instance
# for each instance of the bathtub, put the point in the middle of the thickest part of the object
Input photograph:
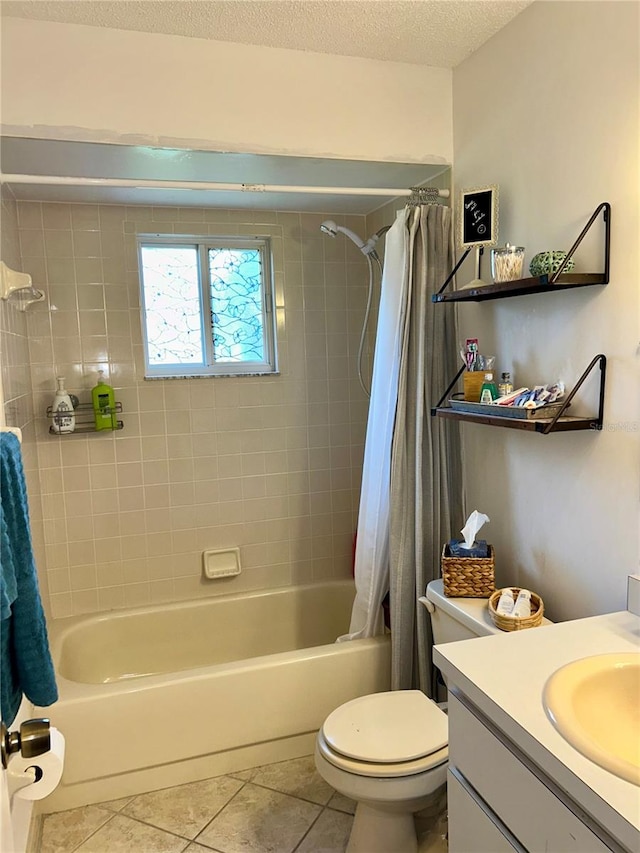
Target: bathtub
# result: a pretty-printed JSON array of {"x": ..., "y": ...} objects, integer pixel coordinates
[{"x": 159, "y": 696}]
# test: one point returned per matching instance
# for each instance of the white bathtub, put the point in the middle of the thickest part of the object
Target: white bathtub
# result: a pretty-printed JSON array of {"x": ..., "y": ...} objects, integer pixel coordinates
[{"x": 159, "y": 696}]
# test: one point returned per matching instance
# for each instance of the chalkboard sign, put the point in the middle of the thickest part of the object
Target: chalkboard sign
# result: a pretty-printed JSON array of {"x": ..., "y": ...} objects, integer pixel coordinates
[{"x": 478, "y": 217}]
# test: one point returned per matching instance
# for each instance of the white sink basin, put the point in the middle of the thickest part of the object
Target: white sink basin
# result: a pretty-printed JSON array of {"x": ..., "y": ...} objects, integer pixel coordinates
[{"x": 595, "y": 705}]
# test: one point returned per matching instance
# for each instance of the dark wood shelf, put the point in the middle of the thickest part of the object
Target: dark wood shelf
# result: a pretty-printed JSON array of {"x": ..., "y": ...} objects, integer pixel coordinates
[
  {"x": 558, "y": 423},
  {"x": 521, "y": 287},
  {"x": 537, "y": 284},
  {"x": 563, "y": 424}
]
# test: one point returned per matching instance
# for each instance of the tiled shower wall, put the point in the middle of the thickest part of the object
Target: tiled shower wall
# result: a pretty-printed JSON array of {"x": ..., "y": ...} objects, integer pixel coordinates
[
  {"x": 270, "y": 464},
  {"x": 17, "y": 397}
]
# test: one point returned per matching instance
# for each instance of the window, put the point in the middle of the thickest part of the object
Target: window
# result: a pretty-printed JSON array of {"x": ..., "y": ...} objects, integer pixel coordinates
[{"x": 207, "y": 305}]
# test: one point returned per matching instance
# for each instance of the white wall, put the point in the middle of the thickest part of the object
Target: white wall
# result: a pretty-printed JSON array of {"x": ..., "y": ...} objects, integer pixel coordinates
[
  {"x": 74, "y": 82},
  {"x": 548, "y": 109}
]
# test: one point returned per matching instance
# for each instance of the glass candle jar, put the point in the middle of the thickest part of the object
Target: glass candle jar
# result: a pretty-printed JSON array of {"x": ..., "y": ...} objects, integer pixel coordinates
[{"x": 507, "y": 263}]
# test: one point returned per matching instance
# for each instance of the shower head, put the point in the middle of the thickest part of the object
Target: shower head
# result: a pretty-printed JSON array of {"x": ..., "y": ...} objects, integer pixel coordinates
[{"x": 329, "y": 227}]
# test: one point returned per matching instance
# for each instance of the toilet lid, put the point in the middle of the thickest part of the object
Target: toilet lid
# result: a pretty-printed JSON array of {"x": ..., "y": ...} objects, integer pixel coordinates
[{"x": 401, "y": 725}]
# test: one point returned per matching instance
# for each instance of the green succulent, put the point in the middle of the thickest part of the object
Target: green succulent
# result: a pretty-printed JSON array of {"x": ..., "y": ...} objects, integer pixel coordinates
[{"x": 546, "y": 263}]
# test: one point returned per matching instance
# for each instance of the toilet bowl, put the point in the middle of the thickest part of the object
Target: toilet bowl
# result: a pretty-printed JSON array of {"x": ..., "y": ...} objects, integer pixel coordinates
[{"x": 388, "y": 752}]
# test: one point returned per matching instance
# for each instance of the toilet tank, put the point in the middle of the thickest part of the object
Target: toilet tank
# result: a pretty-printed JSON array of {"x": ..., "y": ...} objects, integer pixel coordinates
[{"x": 457, "y": 618}]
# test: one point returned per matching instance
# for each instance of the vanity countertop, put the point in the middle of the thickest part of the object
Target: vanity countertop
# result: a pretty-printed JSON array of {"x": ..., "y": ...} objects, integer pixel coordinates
[{"x": 504, "y": 676}]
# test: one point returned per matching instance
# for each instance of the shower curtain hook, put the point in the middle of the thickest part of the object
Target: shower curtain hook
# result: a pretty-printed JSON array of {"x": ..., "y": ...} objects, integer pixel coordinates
[{"x": 423, "y": 195}]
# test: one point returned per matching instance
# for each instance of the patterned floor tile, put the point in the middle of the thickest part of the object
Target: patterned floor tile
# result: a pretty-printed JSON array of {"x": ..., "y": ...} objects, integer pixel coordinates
[
  {"x": 329, "y": 834},
  {"x": 194, "y": 847},
  {"x": 258, "y": 820},
  {"x": 186, "y": 809},
  {"x": 245, "y": 775},
  {"x": 342, "y": 803},
  {"x": 281, "y": 812},
  {"x": 297, "y": 777},
  {"x": 63, "y": 831},
  {"x": 433, "y": 838},
  {"x": 124, "y": 835},
  {"x": 115, "y": 805}
]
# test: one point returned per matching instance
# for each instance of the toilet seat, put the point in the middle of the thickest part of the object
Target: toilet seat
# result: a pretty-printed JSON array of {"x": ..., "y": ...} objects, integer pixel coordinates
[
  {"x": 378, "y": 770},
  {"x": 386, "y": 734}
]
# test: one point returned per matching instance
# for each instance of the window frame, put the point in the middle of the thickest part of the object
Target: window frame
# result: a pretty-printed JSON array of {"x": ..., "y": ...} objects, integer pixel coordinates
[{"x": 211, "y": 367}]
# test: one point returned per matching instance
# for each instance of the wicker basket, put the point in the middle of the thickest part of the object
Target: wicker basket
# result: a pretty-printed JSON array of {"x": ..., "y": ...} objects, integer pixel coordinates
[
  {"x": 468, "y": 577},
  {"x": 510, "y": 623}
]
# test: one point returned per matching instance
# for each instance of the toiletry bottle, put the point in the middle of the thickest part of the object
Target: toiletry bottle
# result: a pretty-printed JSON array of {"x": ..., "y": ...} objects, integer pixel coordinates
[
  {"x": 505, "y": 386},
  {"x": 522, "y": 606},
  {"x": 64, "y": 419},
  {"x": 104, "y": 405},
  {"x": 489, "y": 391},
  {"x": 505, "y": 603}
]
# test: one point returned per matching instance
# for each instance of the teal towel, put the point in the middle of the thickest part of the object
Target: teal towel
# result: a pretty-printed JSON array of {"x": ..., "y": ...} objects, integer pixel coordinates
[{"x": 25, "y": 660}]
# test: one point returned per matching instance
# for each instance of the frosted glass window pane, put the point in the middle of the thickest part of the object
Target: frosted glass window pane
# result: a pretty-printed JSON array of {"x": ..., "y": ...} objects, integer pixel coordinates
[
  {"x": 172, "y": 304},
  {"x": 235, "y": 277}
]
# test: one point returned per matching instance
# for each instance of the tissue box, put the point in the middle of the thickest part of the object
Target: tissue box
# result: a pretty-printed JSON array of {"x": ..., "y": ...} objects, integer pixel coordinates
[
  {"x": 479, "y": 548},
  {"x": 468, "y": 577}
]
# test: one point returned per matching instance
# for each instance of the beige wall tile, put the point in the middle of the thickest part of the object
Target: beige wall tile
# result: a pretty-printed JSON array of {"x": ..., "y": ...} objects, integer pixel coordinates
[{"x": 261, "y": 464}]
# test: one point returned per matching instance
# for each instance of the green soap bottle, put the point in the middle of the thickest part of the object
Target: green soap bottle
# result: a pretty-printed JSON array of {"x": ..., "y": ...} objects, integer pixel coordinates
[
  {"x": 489, "y": 391},
  {"x": 104, "y": 404}
]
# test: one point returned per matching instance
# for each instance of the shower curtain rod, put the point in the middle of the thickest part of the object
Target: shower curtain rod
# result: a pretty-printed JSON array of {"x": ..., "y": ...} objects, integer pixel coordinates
[{"x": 144, "y": 183}]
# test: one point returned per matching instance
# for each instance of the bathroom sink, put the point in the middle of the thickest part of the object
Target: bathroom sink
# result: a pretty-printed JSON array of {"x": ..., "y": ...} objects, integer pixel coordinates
[{"x": 594, "y": 703}]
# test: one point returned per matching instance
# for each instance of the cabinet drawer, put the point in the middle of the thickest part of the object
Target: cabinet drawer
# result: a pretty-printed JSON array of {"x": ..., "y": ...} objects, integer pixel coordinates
[
  {"x": 531, "y": 811},
  {"x": 472, "y": 828}
]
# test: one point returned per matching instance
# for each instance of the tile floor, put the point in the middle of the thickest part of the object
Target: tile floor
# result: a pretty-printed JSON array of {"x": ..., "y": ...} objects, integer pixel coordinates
[{"x": 278, "y": 808}]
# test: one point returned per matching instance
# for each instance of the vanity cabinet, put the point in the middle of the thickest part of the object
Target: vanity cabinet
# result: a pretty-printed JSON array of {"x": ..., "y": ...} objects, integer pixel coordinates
[
  {"x": 499, "y": 800},
  {"x": 474, "y": 825}
]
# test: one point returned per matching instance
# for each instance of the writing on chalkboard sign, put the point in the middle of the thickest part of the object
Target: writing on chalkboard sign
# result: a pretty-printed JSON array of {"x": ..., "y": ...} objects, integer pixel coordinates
[{"x": 478, "y": 217}]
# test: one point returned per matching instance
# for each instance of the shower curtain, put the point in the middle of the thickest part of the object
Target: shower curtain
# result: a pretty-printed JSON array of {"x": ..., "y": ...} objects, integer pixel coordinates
[{"x": 411, "y": 498}]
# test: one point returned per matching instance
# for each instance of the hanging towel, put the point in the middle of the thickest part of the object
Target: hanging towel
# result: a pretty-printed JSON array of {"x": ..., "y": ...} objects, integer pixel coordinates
[{"x": 25, "y": 659}]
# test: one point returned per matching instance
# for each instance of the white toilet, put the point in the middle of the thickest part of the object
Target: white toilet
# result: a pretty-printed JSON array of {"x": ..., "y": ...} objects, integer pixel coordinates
[{"x": 388, "y": 751}]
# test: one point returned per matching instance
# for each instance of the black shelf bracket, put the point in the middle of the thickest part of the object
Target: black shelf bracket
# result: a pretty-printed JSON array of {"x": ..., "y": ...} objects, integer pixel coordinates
[
  {"x": 454, "y": 271},
  {"x": 597, "y": 422},
  {"x": 605, "y": 209},
  {"x": 449, "y": 388}
]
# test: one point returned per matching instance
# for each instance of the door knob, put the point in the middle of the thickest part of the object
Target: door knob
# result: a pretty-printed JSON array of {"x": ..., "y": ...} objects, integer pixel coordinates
[{"x": 33, "y": 739}]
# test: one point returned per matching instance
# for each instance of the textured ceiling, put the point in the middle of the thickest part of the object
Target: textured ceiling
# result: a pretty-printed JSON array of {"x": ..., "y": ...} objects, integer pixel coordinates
[{"x": 424, "y": 32}]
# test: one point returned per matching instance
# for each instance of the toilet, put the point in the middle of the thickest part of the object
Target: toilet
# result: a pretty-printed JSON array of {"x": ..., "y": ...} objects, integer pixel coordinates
[{"x": 388, "y": 751}]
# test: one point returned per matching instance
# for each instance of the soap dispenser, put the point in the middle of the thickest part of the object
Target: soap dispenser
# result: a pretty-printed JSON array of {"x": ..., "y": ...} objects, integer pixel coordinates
[
  {"x": 104, "y": 406},
  {"x": 64, "y": 419}
]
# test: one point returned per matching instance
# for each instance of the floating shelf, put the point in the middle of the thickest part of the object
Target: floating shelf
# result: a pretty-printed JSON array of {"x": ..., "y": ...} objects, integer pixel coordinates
[
  {"x": 559, "y": 280},
  {"x": 521, "y": 287},
  {"x": 558, "y": 423},
  {"x": 542, "y": 425},
  {"x": 85, "y": 420}
]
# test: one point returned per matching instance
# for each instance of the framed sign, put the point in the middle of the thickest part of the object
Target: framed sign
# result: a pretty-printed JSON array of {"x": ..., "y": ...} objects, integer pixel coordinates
[{"x": 478, "y": 217}]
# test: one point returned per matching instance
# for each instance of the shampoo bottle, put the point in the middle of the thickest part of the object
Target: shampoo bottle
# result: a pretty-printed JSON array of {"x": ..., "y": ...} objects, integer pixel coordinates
[
  {"x": 104, "y": 405},
  {"x": 64, "y": 419}
]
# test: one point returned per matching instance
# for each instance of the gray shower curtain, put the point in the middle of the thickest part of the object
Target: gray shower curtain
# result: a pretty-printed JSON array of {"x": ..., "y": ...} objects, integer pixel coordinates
[{"x": 426, "y": 477}]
